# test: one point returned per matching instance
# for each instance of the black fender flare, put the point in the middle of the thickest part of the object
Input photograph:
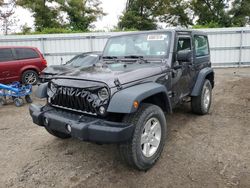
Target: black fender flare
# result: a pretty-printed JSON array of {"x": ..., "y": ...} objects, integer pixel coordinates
[
  {"x": 122, "y": 101},
  {"x": 200, "y": 80},
  {"x": 41, "y": 91}
]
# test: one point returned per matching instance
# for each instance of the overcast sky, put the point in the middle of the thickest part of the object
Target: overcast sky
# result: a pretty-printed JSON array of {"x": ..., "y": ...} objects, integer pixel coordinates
[{"x": 113, "y": 8}]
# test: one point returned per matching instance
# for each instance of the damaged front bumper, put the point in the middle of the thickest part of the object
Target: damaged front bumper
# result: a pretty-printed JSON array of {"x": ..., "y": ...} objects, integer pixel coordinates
[{"x": 83, "y": 127}]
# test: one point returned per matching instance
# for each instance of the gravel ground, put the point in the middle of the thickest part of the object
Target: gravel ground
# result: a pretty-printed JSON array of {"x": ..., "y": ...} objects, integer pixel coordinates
[{"x": 201, "y": 151}]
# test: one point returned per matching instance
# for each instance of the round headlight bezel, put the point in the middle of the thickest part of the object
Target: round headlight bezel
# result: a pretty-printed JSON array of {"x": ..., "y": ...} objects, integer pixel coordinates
[
  {"x": 103, "y": 94},
  {"x": 53, "y": 87}
]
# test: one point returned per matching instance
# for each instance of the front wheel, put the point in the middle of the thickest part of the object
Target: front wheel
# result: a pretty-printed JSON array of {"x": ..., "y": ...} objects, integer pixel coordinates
[
  {"x": 201, "y": 104},
  {"x": 147, "y": 142}
]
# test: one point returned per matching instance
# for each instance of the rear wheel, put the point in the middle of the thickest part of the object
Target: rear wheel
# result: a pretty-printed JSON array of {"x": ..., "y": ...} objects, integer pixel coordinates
[
  {"x": 147, "y": 142},
  {"x": 57, "y": 134},
  {"x": 201, "y": 104},
  {"x": 30, "y": 77}
]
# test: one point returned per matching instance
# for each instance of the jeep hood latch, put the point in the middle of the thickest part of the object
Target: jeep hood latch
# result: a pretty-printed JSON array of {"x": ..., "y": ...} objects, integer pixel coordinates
[{"x": 118, "y": 84}]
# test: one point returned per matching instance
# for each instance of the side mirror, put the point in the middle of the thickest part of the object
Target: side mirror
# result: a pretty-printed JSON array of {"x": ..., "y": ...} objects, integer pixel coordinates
[{"x": 184, "y": 56}]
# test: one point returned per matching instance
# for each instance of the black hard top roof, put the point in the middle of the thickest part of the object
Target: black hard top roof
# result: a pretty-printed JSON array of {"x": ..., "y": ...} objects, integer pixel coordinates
[{"x": 174, "y": 30}]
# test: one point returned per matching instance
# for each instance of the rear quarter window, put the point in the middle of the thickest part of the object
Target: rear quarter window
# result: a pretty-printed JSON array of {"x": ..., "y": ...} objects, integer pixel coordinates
[
  {"x": 26, "y": 53},
  {"x": 6, "y": 55}
]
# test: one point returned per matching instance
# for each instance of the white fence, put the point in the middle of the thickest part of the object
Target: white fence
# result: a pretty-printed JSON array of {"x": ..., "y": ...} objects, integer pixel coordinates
[{"x": 230, "y": 47}]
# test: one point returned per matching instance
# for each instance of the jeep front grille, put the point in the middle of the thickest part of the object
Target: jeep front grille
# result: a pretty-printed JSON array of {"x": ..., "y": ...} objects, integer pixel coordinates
[{"x": 77, "y": 99}]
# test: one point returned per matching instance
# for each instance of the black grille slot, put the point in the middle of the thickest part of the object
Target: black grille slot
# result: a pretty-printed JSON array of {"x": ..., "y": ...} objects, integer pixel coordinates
[{"x": 74, "y": 98}]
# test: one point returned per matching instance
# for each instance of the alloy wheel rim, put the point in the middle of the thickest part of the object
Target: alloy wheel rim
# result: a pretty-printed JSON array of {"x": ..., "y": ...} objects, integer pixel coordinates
[
  {"x": 206, "y": 97},
  {"x": 151, "y": 137},
  {"x": 30, "y": 78}
]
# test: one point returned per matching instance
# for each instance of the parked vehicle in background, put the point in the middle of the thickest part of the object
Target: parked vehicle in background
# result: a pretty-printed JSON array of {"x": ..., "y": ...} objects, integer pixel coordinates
[
  {"x": 83, "y": 60},
  {"x": 23, "y": 64},
  {"x": 124, "y": 99}
]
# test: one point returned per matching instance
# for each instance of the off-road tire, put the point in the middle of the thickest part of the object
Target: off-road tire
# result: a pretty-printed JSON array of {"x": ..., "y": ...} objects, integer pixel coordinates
[
  {"x": 31, "y": 72},
  {"x": 197, "y": 102},
  {"x": 131, "y": 151},
  {"x": 57, "y": 134},
  {"x": 18, "y": 102}
]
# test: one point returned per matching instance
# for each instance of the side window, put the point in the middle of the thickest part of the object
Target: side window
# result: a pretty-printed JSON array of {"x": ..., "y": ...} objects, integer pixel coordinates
[
  {"x": 184, "y": 44},
  {"x": 201, "y": 46},
  {"x": 6, "y": 55},
  {"x": 26, "y": 53}
]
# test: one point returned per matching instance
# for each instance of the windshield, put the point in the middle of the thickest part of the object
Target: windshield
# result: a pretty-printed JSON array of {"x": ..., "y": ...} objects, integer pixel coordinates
[
  {"x": 145, "y": 45},
  {"x": 83, "y": 60}
]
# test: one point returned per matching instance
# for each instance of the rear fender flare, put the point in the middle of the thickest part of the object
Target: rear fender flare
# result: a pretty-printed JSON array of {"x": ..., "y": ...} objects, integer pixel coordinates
[{"x": 200, "y": 80}]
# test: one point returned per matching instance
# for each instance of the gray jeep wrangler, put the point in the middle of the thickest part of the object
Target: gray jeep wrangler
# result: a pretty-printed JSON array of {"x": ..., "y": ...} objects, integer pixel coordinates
[{"x": 123, "y": 99}]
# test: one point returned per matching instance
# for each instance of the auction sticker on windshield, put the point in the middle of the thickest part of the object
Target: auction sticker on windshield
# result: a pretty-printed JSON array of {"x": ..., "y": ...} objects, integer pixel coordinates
[{"x": 156, "y": 37}]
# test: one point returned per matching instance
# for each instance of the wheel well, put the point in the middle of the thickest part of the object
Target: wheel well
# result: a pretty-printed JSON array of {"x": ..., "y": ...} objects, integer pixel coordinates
[
  {"x": 210, "y": 77},
  {"x": 160, "y": 100},
  {"x": 29, "y": 69}
]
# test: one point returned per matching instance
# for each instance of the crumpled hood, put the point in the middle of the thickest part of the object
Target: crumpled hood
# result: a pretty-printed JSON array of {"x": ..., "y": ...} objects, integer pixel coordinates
[
  {"x": 57, "y": 69},
  {"x": 113, "y": 72}
]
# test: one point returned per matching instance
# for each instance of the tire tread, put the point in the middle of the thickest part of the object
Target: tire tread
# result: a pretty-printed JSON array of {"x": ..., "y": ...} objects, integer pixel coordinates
[
  {"x": 126, "y": 150},
  {"x": 196, "y": 102}
]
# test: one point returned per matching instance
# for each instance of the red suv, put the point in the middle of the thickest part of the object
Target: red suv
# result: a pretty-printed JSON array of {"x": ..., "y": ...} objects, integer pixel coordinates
[{"x": 22, "y": 64}]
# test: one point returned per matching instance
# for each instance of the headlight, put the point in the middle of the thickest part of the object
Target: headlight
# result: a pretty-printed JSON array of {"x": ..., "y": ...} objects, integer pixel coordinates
[
  {"x": 53, "y": 88},
  {"x": 103, "y": 94}
]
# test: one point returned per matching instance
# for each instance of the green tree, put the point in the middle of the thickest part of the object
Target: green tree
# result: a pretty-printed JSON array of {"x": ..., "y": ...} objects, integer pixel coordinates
[
  {"x": 144, "y": 14},
  {"x": 174, "y": 12},
  {"x": 139, "y": 14},
  {"x": 45, "y": 16},
  {"x": 211, "y": 11},
  {"x": 81, "y": 13},
  {"x": 240, "y": 14},
  {"x": 25, "y": 29}
]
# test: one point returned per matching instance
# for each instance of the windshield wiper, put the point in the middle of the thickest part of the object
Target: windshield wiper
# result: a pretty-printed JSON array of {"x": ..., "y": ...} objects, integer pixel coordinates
[
  {"x": 139, "y": 58},
  {"x": 134, "y": 56},
  {"x": 109, "y": 57}
]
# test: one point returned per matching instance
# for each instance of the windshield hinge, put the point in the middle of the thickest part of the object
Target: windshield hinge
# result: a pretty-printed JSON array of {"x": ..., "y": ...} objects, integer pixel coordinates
[{"x": 118, "y": 84}]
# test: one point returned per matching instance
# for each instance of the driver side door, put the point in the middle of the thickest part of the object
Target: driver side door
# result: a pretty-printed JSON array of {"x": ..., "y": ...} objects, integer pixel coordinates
[{"x": 181, "y": 78}]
